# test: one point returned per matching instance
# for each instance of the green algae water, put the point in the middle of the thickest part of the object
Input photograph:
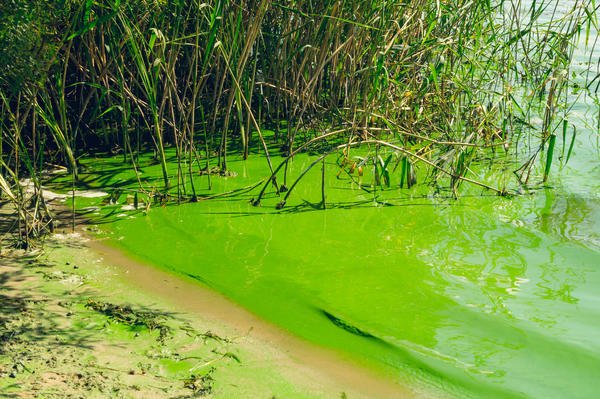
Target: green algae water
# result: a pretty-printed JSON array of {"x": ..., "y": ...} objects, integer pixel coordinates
[{"x": 482, "y": 296}]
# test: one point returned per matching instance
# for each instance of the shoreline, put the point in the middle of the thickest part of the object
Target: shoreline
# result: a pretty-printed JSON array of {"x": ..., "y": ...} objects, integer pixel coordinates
[
  {"x": 318, "y": 365},
  {"x": 273, "y": 362}
]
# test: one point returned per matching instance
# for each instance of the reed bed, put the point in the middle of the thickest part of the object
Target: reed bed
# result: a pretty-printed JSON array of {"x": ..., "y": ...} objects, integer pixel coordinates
[{"x": 426, "y": 84}]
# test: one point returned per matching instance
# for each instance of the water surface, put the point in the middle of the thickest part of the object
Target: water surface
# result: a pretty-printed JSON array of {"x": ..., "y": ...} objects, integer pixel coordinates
[{"x": 484, "y": 295}]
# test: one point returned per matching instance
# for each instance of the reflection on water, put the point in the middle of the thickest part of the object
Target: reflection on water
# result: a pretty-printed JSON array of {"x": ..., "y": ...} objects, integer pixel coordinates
[
  {"x": 523, "y": 289},
  {"x": 569, "y": 217}
]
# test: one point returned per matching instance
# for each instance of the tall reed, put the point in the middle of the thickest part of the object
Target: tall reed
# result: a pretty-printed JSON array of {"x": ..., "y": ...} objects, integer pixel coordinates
[{"x": 439, "y": 84}]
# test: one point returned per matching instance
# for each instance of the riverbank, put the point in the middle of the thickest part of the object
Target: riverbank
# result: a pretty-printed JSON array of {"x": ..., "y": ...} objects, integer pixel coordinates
[{"x": 79, "y": 319}]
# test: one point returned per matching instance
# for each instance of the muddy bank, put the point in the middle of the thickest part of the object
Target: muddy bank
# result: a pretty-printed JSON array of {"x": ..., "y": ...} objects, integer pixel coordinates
[{"x": 63, "y": 335}]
